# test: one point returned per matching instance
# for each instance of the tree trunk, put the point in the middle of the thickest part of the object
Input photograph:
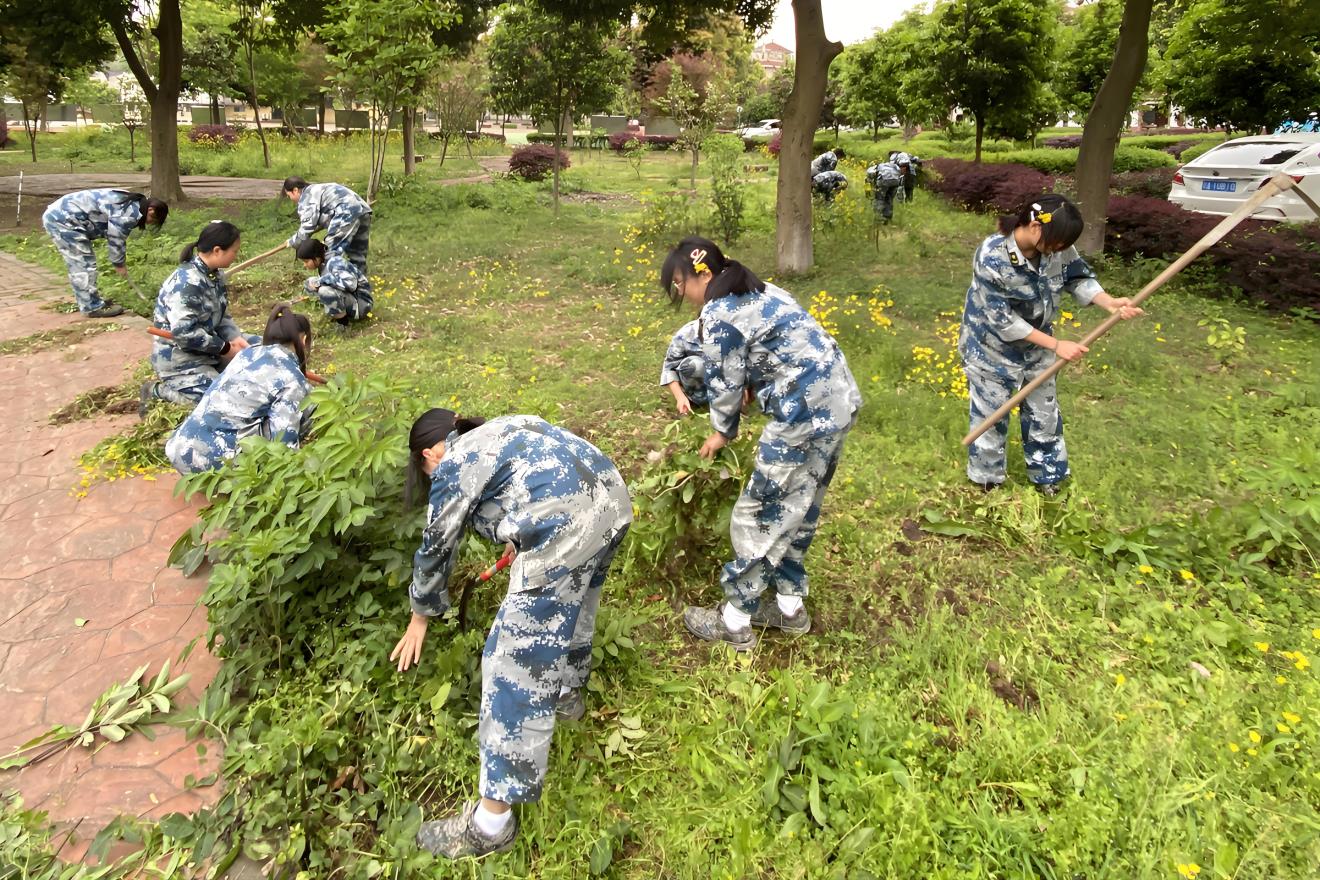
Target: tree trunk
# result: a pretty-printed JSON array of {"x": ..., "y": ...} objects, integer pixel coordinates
[
  {"x": 30, "y": 127},
  {"x": 164, "y": 99},
  {"x": 695, "y": 156},
  {"x": 409, "y": 147},
  {"x": 1095, "y": 159},
  {"x": 215, "y": 109},
  {"x": 320, "y": 117},
  {"x": 554, "y": 167},
  {"x": 567, "y": 123},
  {"x": 980, "y": 133},
  {"x": 256, "y": 105},
  {"x": 793, "y": 197}
]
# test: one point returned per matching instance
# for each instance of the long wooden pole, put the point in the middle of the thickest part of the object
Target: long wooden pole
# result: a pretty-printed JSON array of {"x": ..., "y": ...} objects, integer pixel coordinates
[
  {"x": 1276, "y": 184},
  {"x": 168, "y": 336},
  {"x": 257, "y": 259}
]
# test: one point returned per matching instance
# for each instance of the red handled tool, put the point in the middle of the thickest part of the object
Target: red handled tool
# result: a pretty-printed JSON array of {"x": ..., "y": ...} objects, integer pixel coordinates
[{"x": 486, "y": 575}]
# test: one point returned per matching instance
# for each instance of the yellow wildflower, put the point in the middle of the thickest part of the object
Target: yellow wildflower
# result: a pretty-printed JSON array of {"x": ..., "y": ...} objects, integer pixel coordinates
[
  {"x": 1186, "y": 575},
  {"x": 1253, "y": 736},
  {"x": 1263, "y": 647}
]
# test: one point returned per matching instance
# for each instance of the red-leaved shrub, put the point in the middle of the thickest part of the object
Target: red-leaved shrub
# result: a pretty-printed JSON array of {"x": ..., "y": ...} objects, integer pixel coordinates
[
  {"x": 990, "y": 187},
  {"x": 213, "y": 135},
  {"x": 619, "y": 138},
  {"x": 1154, "y": 184},
  {"x": 535, "y": 161}
]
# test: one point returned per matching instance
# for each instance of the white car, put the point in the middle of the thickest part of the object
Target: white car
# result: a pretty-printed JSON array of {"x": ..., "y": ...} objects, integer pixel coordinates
[
  {"x": 1219, "y": 180},
  {"x": 764, "y": 128}
]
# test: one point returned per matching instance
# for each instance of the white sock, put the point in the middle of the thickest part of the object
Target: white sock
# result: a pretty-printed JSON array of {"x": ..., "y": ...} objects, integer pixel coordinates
[
  {"x": 488, "y": 823},
  {"x": 789, "y": 605},
  {"x": 736, "y": 620}
]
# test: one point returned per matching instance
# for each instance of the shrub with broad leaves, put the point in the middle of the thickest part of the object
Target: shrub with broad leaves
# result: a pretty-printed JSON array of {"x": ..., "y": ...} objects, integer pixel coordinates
[{"x": 536, "y": 161}]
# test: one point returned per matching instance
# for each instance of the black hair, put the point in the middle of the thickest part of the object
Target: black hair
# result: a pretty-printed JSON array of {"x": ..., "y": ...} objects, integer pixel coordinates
[
  {"x": 1060, "y": 221},
  {"x": 287, "y": 327},
  {"x": 311, "y": 249},
  {"x": 727, "y": 276},
  {"x": 292, "y": 183},
  {"x": 144, "y": 203},
  {"x": 838, "y": 152},
  {"x": 216, "y": 234},
  {"x": 431, "y": 427}
]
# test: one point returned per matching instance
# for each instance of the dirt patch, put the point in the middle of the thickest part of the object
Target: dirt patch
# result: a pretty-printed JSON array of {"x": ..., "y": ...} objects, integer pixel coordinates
[
  {"x": 102, "y": 401},
  {"x": 597, "y": 198},
  {"x": 55, "y": 338},
  {"x": 1018, "y": 694},
  {"x": 195, "y": 186}
]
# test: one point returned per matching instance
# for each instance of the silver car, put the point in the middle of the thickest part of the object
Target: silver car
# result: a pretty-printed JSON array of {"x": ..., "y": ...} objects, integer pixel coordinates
[{"x": 1219, "y": 180}]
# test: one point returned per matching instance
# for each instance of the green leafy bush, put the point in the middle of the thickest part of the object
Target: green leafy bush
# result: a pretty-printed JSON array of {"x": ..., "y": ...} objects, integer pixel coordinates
[
  {"x": 724, "y": 159},
  {"x": 1056, "y": 161}
]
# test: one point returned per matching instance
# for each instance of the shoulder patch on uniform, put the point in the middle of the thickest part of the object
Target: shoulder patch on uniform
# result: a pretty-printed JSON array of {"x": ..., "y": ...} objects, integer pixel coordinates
[{"x": 1013, "y": 257}]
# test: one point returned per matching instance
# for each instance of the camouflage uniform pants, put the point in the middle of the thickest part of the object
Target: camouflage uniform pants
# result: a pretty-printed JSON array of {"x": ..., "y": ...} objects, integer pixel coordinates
[
  {"x": 775, "y": 518},
  {"x": 540, "y": 642},
  {"x": 885, "y": 191},
  {"x": 349, "y": 235},
  {"x": 691, "y": 372},
  {"x": 1039, "y": 416},
  {"x": 339, "y": 302},
  {"x": 79, "y": 257},
  {"x": 185, "y": 382}
]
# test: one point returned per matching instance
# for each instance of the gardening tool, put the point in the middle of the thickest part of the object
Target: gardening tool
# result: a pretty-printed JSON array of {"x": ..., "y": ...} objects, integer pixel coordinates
[
  {"x": 257, "y": 259},
  {"x": 1276, "y": 184},
  {"x": 486, "y": 575},
  {"x": 165, "y": 334}
]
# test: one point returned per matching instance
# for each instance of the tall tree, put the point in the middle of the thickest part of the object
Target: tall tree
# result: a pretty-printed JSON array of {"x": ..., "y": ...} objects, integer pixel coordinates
[
  {"x": 209, "y": 67},
  {"x": 869, "y": 95},
  {"x": 458, "y": 94},
  {"x": 989, "y": 58},
  {"x": 793, "y": 244},
  {"x": 697, "y": 112},
  {"x": 252, "y": 31},
  {"x": 1100, "y": 135},
  {"x": 1246, "y": 64},
  {"x": 552, "y": 66},
  {"x": 130, "y": 20}
]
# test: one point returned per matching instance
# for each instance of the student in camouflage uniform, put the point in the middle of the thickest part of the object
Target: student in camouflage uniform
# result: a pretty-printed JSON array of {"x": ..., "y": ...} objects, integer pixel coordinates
[
  {"x": 193, "y": 305},
  {"x": 77, "y": 219},
  {"x": 1019, "y": 276},
  {"x": 683, "y": 371},
  {"x": 342, "y": 287},
  {"x": 884, "y": 179},
  {"x": 259, "y": 394},
  {"x": 827, "y": 161},
  {"x": 828, "y": 184},
  {"x": 563, "y": 508},
  {"x": 756, "y": 336},
  {"x": 343, "y": 214}
]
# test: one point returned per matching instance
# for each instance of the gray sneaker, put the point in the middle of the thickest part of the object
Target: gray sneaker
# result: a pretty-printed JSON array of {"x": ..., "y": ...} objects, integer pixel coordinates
[
  {"x": 708, "y": 624},
  {"x": 107, "y": 310},
  {"x": 768, "y": 616},
  {"x": 455, "y": 837},
  {"x": 571, "y": 706}
]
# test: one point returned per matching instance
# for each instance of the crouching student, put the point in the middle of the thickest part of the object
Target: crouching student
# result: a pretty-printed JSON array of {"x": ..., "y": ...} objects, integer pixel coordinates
[
  {"x": 683, "y": 370},
  {"x": 260, "y": 394},
  {"x": 828, "y": 184},
  {"x": 756, "y": 336},
  {"x": 563, "y": 508},
  {"x": 75, "y": 220},
  {"x": 342, "y": 287},
  {"x": 884, "y": 180},
  {"x": 1019, "y": 276},
  {"x": 193, "y": 305}
]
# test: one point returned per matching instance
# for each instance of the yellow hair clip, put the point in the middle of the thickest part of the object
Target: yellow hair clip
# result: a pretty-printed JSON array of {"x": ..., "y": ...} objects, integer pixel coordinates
[
  {"x": 1044, "y": 216},
  {"x": 700, "y": 267}
]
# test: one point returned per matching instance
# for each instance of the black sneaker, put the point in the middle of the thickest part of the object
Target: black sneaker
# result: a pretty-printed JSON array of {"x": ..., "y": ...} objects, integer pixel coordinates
[
  {"x": 708, "y": 624},
  {"x": 768, "y": 616},
  {"x": 107, "y": 310},
  {"x": 456, "y": 837},
  {"x": 571, "y": 706},
  {"x": 987, "y": 487}
]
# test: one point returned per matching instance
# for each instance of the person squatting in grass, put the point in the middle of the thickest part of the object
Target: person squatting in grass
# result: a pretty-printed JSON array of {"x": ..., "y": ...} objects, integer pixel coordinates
[
  {"x": 756, "y": 336},
  {"x": 683, "y": 371},
  {"x": 883, "y": 181},
  {"x": 342, "y": 287},
  {"x": 826, "y": 180},
  {"x": 75, "y": 220},
  {"x": 260, "y": 394},
  {"x": 343, "y": 214},
  {"x": 1019, "y": 276},
  {"x": 193, "y": 305},
  {"x": 562, "y": 507}
]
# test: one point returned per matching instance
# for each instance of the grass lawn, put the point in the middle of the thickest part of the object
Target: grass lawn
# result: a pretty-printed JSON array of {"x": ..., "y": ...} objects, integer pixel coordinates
[{"x": 1107, "y": 685}]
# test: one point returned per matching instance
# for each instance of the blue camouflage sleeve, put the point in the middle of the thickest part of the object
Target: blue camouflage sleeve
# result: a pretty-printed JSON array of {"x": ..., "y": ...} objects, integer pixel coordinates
[
  {"x": 121, "y": 220},
  {"x": 185, "y": 323},
  {"x": 339, "y": 274},
  {"x": 679, "y": 348},
  {"x": 285, "y": 420},
  {"x": 1079, "y": 278},
  {"x": 308, "y": 213},
  {"x": 725, "y": 349},
  {"x": 991, "y": 296},
  {"x": 434, "y": 561}
]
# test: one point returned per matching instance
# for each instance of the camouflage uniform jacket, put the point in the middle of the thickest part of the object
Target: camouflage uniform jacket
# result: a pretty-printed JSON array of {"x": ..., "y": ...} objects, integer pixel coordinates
[
  {"x": 319, "y": 203},
  {"x": 193, "y": 304},
  {"x": 98, "y": 213}
]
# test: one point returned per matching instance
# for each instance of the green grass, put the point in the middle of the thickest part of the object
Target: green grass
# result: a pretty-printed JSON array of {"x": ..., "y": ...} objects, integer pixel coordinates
[{"x": 1021, "y": 700}]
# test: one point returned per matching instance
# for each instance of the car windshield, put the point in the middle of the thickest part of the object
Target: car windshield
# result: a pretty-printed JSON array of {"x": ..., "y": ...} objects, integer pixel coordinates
[{"x": 1255, "y": 153}]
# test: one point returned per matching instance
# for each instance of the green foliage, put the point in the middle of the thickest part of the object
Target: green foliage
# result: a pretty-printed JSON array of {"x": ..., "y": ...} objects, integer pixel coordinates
[
  {"x": 1053, "y": 161},
  {"x": 724, "y": 157}
]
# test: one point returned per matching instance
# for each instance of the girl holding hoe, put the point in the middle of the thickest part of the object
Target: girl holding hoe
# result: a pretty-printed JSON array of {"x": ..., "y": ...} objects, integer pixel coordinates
[
  {"x": 755, "y": 336},
  {"x": 1019, "y": 276},
  {"x": 562, "y": 509}
]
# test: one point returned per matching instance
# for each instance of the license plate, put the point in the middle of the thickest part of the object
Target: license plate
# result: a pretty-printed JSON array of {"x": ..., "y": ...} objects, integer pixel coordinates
[{"x": 1223, "y": 186}]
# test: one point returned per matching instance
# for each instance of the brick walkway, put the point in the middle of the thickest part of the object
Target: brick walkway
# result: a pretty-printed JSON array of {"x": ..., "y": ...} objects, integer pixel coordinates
[{"x": 102, "y": 559}]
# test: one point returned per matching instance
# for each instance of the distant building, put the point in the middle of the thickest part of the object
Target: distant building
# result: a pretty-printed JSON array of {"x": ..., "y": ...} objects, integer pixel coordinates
[{"x": 772, "y": 56}]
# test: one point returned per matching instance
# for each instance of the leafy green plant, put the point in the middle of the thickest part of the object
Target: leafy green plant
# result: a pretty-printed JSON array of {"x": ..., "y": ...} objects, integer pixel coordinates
[
  {"x": 1223, "y": 336},
  {"x": 724, "y": 158}
]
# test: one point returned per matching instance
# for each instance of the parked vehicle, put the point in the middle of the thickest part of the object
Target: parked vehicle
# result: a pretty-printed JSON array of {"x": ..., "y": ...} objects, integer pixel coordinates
[
  {"x": 764, "y": 128},
  {"x": 1219, "y": 180}
]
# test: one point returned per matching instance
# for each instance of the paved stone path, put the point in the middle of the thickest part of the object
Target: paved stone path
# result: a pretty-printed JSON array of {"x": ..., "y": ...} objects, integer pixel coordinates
[{"x": 100, "y": 558}]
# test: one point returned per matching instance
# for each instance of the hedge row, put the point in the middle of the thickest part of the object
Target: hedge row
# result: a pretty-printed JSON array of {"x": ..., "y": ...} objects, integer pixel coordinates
[
  {"x": 1063, "y": 160},
  {"x": 656, "y": 141},
  {"x": 1278, "y": 266}
]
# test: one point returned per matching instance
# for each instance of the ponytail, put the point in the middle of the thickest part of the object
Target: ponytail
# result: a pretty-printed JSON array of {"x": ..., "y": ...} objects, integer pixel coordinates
[
  {"x": 1060, "y": 220},
  {"x": 431, "y": 427},
  {"x": 287, "y": 327},
  {"x": 216, "y": 234},
  {"x": 695, "y": 255}
]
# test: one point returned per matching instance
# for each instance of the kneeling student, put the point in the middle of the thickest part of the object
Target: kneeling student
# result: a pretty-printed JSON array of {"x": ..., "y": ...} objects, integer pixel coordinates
[
  {"x": 260, "y": 394},
  {"x": 342, "y": 287}
]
